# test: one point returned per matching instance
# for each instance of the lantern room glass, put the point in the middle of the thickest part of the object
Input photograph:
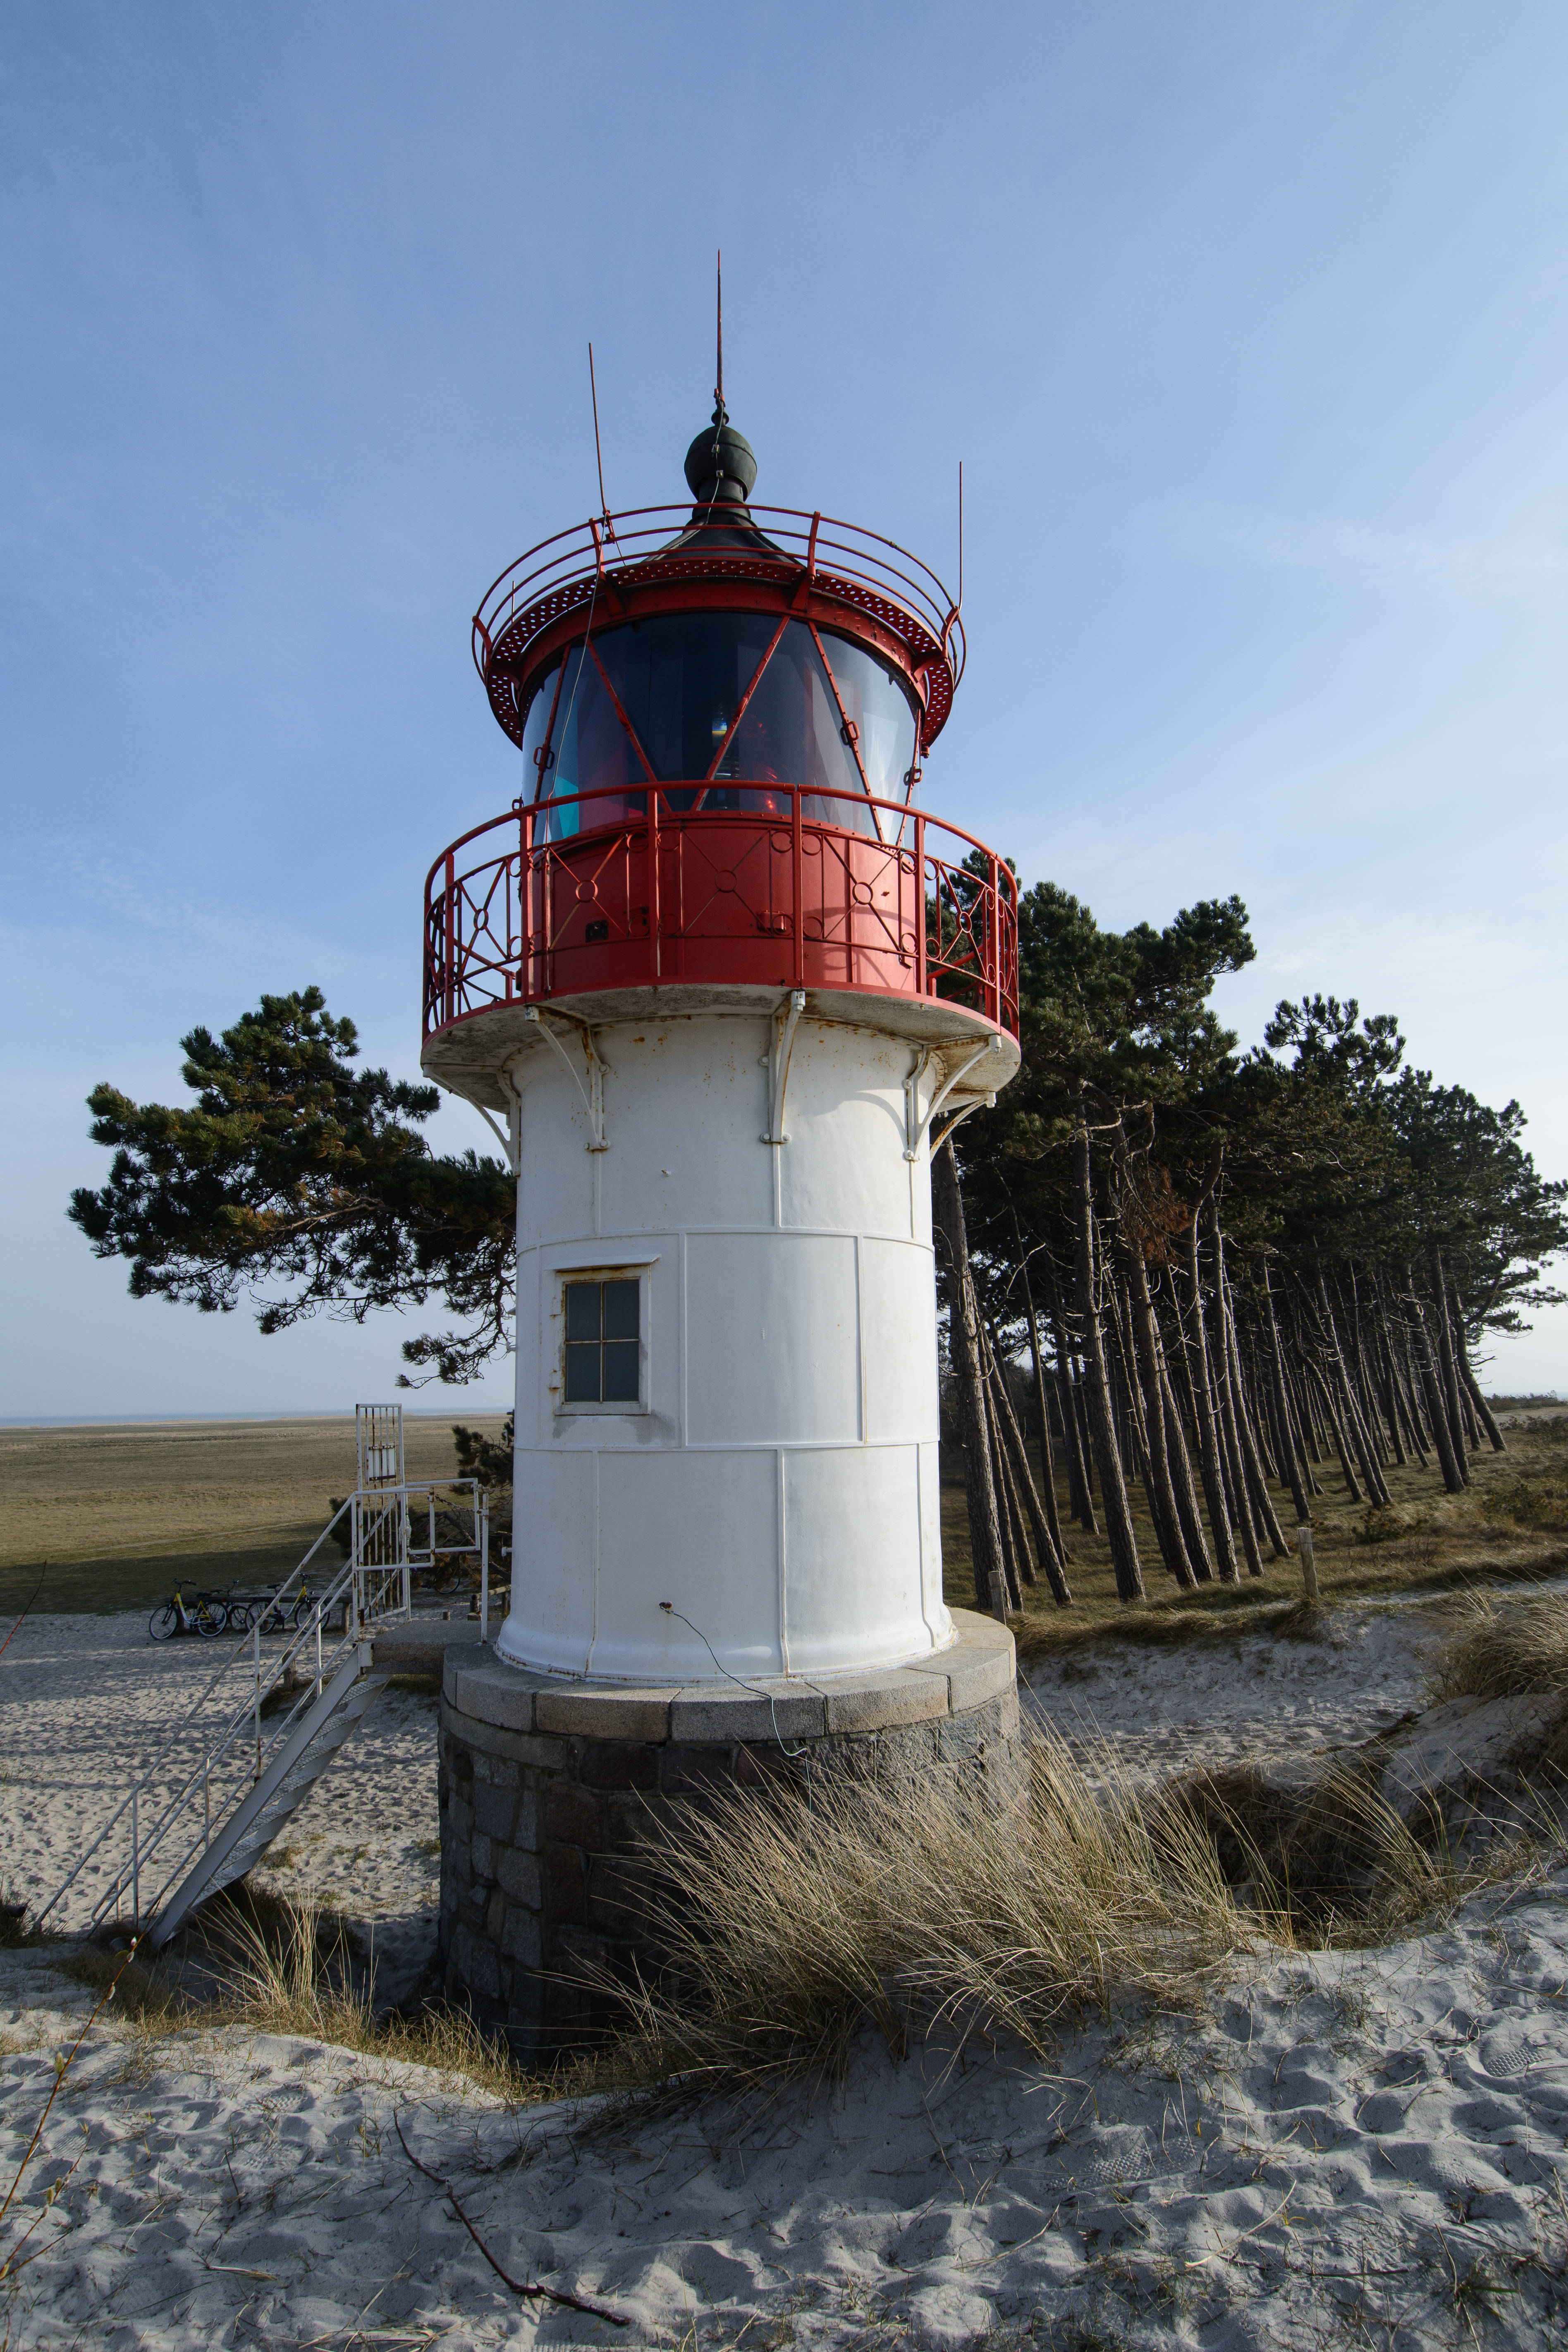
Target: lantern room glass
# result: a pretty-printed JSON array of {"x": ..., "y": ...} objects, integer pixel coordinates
[{"x": 725, "y": 705}]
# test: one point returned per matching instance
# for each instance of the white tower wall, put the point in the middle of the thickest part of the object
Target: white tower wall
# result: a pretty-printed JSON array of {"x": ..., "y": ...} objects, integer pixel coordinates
[{"x": 777, "y": 1480}]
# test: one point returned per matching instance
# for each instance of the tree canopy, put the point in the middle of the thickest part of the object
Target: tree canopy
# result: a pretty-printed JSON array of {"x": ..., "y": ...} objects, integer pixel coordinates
[{"x": 304, "y": 1183}]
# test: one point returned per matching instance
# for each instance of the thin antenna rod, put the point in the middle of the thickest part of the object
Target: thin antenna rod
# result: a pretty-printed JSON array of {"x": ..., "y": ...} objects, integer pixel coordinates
[
  {"x": 718, "y": 387},
  {"x": 598, "y": 453}
]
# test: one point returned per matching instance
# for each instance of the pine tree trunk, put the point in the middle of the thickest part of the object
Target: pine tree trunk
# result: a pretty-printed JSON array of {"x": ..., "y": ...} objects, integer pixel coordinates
[
  {"x": 1252, "y": 1461},
  {"x": 1182, "y": 1481},
  {"x": 1345, "y": 1400},
  {"x": 1167, "y": 1531},
  {"x": 1363, "y": 1387},
  {"x": 1304, "y": 1405},
  {"x": 963, "y": 1321},
  {"x": 1018, "y": 1572},
  {"x": 1414, "y": 1394},
  {"x": 1048, "y": 1466},
  {"x": 1079, "y": 1371},
  {"x": 1388, "y": 1382},
  {"x": 1488, "y": 1418},
  {"x": 1081, "y": 1500},
  {"x": 1332, "y": 1421},
  {"x": 1143, "y": 1371},
  {"x": 1241, "y": 1513},
  {"x": 1259, "y": 1402},
  {"x": 1106, "y": 1461},
  {"x": 1017, "y": 1458},
  {"x": 1461, "y": 1418},
  {"x": 1245, "y": 1525},
  {"x": 1299, "y": 1476},
  {"x": 1455, "y": 1476},
  {"x": 1404, "y": 1408},
  {"x": 1204, "y": 1412},
  {"x": 1411, "y": 1416}
]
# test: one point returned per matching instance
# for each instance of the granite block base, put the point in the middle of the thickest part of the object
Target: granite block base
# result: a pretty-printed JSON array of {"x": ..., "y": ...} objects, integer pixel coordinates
[{"x": 548, "y": 1787}]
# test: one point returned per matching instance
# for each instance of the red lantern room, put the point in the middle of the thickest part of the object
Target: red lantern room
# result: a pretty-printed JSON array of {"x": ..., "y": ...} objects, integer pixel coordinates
[{"x": 723, "y": 712}]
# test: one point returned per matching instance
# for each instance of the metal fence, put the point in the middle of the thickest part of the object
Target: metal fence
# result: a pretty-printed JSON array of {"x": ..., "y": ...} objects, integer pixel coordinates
[{"x": 656, "y": 888}]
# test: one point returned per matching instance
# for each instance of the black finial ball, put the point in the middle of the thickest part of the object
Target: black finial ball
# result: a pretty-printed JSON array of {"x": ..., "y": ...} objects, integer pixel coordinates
[{"x": 721, "y": 464}]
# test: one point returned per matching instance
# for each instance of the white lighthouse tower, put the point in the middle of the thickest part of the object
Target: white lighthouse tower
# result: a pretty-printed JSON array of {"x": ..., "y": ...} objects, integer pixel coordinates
[{"x": 725, "y": 983}]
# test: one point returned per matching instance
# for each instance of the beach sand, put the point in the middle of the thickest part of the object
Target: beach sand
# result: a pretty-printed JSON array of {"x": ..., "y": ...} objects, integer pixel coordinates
[{"x": 1348, "y": 2147}]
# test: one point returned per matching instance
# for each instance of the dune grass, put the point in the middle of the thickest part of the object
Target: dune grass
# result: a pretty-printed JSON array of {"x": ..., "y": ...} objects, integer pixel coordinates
[
  {"x": 1503, "y": 1649},
  {"x": 256, "y": 1961},
  {"x": 790, "y": 1920},
  {"x": 794, "y": 1921}
]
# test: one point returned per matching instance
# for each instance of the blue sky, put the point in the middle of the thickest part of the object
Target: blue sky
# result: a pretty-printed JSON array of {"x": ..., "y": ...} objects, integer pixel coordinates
[{"x": 1250, "y": 327}]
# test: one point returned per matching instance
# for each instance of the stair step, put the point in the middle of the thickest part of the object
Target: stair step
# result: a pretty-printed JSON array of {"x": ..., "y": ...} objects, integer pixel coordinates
[{"x": 353, "y": 1703}]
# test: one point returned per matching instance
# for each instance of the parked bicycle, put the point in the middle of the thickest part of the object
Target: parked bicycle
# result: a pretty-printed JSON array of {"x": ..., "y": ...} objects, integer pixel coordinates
[
  {"x": 204, "y": 1614},
  {"x": 275, "y": 1615}
]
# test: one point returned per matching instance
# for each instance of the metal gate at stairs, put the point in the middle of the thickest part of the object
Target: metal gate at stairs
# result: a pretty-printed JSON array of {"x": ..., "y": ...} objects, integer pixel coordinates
[{"x": 271, "y": 1719}]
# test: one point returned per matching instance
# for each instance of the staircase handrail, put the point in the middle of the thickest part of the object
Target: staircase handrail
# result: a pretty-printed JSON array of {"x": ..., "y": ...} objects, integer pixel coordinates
[
  {"x": 228, "y": 1732},
  {"x": 247, "y": 1717}
]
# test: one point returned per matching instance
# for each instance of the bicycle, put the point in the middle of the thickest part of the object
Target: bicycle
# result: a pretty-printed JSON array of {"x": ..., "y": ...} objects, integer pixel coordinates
[
  {"x": 175, "y": 1617},
  {"x": 278, "y": 1616}
]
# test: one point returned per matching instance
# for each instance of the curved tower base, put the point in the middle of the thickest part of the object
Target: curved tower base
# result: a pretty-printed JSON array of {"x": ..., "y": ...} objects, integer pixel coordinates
[{"x": 547, "y": 1790}]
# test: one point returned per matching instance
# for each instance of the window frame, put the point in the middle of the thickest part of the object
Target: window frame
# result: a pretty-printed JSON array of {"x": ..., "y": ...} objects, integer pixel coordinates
[
  {"x": 585, "y": 648},
  {"x": 620, "y": 1409}
]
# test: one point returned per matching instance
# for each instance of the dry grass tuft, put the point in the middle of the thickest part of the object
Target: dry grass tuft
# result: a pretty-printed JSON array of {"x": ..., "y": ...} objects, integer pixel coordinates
[
  {"x": 283, "y": 1967},
  {"x": 1330, "y": 1865},
  {"x": 284, "y": 1972},
  {"x": 792, "y": 1919},
  {"x": 291, "y": 1971},
  {"x": 1499, "y": 1650},
  {"x": 13, "y": 1910},
  {"x": 142, "y": 1998}
]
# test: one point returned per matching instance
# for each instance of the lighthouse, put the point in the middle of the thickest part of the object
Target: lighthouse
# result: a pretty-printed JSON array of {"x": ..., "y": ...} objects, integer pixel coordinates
[{"x": 722, "y": 983}]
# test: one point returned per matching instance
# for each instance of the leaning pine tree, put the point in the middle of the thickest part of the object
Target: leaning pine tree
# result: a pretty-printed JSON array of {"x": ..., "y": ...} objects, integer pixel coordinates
[{"x": 1264, "y": 1271}]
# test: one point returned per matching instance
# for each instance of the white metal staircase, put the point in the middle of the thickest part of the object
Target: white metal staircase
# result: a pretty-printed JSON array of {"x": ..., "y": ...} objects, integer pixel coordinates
[{"x": 274, "y": 1714}]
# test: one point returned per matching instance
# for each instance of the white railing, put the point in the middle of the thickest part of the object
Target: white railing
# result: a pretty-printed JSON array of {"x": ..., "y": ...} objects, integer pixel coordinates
[{"x": 220, "y": 1752}]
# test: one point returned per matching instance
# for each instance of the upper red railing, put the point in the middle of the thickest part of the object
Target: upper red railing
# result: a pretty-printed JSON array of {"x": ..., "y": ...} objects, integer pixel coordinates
[
  {"x": 592, "y": 568},
  {"x": 662, "y": 887}
]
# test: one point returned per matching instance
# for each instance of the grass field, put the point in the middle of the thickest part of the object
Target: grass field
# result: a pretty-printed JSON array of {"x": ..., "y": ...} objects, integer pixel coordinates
[
  {"x": 1512, "y": 1521},
  {"x": 118, "y": 1515}
]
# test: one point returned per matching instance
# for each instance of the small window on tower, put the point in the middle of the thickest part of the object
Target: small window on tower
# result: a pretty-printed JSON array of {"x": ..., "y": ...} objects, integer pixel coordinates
[{"x": 604, "y": 1341}]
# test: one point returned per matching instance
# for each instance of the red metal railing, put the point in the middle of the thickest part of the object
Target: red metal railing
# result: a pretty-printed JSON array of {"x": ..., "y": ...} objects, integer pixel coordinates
[
  {"x": 660, "y": 888},
  {"x": 602, "y": 561}
]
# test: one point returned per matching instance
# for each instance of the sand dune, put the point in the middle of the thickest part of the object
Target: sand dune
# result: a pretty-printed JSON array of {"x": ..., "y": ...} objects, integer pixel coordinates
[{"x": 1350, "y": 2147}]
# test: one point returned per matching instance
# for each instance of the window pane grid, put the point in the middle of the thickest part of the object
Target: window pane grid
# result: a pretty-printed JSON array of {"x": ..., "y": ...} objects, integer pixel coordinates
[{"x": 602, "y": 1343}]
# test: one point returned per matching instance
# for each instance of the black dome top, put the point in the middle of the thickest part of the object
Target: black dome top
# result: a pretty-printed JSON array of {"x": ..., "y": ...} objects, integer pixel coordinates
[{"x": 721, "y": 464}]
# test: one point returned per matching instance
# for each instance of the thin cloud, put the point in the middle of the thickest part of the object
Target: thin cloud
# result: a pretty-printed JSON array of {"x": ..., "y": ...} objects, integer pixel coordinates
[
  {"x": 108, "y": 887},
  {"x": 1336, "y": 544}
]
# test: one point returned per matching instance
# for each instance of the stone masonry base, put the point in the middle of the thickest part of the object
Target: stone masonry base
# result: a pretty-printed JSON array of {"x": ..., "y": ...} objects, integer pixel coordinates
[{"x": 548, "y": 1786}]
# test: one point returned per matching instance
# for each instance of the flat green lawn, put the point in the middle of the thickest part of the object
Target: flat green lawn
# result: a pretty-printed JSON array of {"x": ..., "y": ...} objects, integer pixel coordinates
[{"x": 117, "y": 1516}]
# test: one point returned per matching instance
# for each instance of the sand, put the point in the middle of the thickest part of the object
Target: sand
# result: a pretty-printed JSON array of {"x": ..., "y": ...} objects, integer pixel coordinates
[
  {"x": 84, "y": 1701},
  {"x": 1214, "y": 1700},
  {"x": 1349, "y": 2147}
]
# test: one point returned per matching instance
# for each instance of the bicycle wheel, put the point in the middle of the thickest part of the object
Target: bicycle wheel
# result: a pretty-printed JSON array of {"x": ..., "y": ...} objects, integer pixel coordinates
[
  {"x": 163, "y": 1622},
  {"x": 206, "y": 1619},
  {"x": 304, "y": 1611}
]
